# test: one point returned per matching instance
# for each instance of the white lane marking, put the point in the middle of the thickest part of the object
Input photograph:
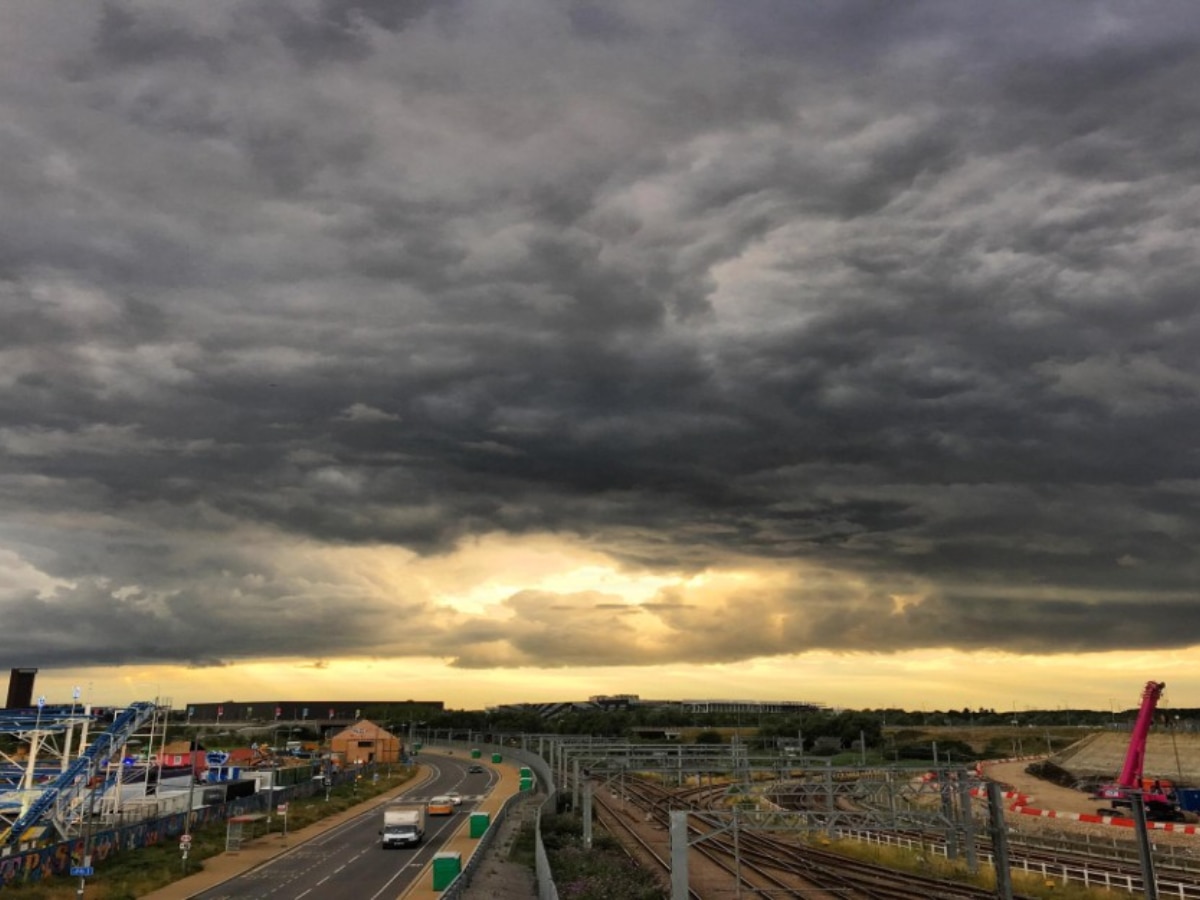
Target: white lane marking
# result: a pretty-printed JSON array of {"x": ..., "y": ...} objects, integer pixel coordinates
[{"x": 379, "y": 893}]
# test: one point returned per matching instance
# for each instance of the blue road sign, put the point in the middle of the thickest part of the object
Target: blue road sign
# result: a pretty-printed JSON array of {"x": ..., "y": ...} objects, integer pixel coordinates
[{"x": 82, "y": 871}]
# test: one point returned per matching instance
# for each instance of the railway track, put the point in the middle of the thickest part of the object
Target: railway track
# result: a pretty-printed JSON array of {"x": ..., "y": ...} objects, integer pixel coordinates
[
  {"x": 644, "y": 852},
  {"x": 725, "y": 861},
  {"x": 1175, "y": 874},
  {"x": 771, "y": 864}
]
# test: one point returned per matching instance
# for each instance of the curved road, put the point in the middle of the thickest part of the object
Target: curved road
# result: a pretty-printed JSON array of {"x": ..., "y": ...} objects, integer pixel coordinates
[{"x": 347, "y": 862}]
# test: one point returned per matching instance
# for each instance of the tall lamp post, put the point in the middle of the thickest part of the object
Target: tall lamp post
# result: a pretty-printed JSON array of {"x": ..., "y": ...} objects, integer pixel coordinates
[
  {"x": 271, "y": 803},
  {"x": 187, "y": 818},
  {"x": 87, "y": 841}
]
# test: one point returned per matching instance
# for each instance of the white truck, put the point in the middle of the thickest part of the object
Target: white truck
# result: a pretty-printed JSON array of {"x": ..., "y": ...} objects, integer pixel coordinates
[{"x": 403, "y": 826}]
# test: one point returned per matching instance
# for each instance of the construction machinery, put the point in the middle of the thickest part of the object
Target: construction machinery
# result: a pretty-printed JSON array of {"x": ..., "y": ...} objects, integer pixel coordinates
[{"x": 1160, "y": 805}]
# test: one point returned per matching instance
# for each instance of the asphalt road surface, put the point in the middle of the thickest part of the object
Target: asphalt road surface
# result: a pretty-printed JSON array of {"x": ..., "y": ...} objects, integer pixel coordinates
[{"x": 347, "y": 862}]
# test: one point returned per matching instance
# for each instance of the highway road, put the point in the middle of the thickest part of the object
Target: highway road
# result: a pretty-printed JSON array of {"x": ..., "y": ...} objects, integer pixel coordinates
[{"x": 347, "y": 862}]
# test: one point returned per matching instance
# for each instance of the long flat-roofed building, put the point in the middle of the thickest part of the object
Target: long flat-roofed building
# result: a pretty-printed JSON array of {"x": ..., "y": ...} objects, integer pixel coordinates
[
  {"x": 764, "y": 707},
  {"x": 616, "y": 702},
  {"x": 308, "y": 712}
]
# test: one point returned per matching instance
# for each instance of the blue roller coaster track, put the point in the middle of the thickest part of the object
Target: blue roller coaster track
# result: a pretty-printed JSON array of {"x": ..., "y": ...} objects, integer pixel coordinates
[{"x": 71, "y": 785}]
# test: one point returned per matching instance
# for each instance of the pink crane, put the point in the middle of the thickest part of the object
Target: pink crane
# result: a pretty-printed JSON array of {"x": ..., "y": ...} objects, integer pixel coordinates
[{"x": 1159, "y": 805}]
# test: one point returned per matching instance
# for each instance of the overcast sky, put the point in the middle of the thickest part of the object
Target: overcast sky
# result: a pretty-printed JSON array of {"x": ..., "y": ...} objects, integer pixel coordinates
[{"x": 539, "y": 347}]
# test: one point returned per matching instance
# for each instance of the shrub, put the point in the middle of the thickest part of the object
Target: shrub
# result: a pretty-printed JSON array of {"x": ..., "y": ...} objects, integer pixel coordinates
[{"x": 601, "y": 873}]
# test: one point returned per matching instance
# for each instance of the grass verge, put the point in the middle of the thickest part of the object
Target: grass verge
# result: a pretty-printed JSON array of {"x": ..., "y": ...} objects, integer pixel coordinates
[{"x": 932, "y": 865}]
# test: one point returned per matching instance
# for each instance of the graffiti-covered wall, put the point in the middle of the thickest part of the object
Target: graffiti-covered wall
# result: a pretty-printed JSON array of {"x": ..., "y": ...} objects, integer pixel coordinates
[{"x": 57, "y": 859}]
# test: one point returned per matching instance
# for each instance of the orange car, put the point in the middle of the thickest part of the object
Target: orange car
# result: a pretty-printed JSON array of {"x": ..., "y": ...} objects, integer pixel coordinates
[{"x": 440, "y": 806}]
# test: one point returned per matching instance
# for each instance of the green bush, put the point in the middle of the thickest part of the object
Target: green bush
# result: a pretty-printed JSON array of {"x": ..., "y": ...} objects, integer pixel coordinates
[{"x": 601, "y": 873}]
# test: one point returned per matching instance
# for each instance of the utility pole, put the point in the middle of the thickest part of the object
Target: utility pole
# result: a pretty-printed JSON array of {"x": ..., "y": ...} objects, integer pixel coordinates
[
  {"x": 587, "y": 815},
  {"x": 999, "y": 835},
  {"x": 1145, "y": 856}
]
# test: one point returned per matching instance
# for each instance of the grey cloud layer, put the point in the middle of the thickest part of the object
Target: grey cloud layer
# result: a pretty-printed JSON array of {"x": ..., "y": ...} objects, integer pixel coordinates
[{"x": 904, "y": 293}]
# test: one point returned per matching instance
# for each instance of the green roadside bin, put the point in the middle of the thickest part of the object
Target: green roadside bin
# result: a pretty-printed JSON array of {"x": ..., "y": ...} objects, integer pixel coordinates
[
  {"x": 479, "y": 823},
  {"x": 496, "y": 757},
  {"x": 476, "y": 753},
  {"x": 446, "y": 867},
  {"x": 526, "y": 784}
]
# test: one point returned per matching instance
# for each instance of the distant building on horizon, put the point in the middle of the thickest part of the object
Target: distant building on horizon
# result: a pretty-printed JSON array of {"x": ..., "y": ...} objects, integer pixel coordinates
[
  {"x": 754, "y": 707},
  {"x": 624, "y": 702},
  {"x": 314, "y": 713}
]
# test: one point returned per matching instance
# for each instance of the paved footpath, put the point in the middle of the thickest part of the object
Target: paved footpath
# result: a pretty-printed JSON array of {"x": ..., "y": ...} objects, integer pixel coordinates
[{"x": 261, "y": 850}]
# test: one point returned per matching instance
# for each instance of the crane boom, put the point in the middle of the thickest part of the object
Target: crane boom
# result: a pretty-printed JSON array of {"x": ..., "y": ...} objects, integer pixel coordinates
[
  {"x": 1159, "y": 805},
  {"x": 1135, "y": 756}
]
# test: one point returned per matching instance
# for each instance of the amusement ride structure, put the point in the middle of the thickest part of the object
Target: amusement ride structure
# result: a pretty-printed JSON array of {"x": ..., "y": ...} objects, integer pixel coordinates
[{"x": 71, "y": 764}]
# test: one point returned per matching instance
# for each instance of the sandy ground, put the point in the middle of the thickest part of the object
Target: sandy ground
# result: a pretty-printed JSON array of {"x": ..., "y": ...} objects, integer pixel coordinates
[
  {"x": 1041, "y": 794},
  {"x": 1044, "y": 795}
]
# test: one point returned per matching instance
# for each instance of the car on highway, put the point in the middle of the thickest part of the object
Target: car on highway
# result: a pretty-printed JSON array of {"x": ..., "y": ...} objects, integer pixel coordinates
[
  {"x": 440, "y": 805},
  {"x": 475, "y": 768},
  {"x": 454, "y": 797}
]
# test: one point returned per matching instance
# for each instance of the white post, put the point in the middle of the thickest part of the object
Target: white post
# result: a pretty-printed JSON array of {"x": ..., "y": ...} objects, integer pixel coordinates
[
  {"x": 27, "y": 780},
  {"x": 737, "y": 858},
  {"x": 679, "y": 855}
]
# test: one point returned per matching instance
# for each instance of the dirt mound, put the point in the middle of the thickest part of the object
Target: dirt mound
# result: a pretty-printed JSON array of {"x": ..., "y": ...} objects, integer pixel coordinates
[
  {"x": 1047, "y": 770},
  {"x": 1171, "y": 756}
]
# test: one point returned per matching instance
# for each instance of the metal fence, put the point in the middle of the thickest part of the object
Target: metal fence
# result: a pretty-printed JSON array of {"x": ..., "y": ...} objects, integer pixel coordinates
[
  {"x": 137, "y": 826},
  {"x": 116, "y": 836}
]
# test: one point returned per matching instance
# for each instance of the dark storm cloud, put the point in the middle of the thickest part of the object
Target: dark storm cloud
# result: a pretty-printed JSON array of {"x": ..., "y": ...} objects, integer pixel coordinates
[
  {"x": 127, "y": 35},
  {"x": 896, "y": 302}
]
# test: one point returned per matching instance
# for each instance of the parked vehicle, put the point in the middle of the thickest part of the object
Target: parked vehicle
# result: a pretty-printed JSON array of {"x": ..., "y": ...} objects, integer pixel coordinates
[{"x": 403, "y": 826}]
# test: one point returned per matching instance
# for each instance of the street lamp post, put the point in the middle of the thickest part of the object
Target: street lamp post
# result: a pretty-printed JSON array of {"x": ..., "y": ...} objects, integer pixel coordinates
[
  {"x": 87, "y": 841},
  {"x": 187, "y": 820}
]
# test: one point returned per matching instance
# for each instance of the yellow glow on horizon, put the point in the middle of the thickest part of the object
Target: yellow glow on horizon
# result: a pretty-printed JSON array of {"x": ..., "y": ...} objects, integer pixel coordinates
[{"x": 926, "y": 680}]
